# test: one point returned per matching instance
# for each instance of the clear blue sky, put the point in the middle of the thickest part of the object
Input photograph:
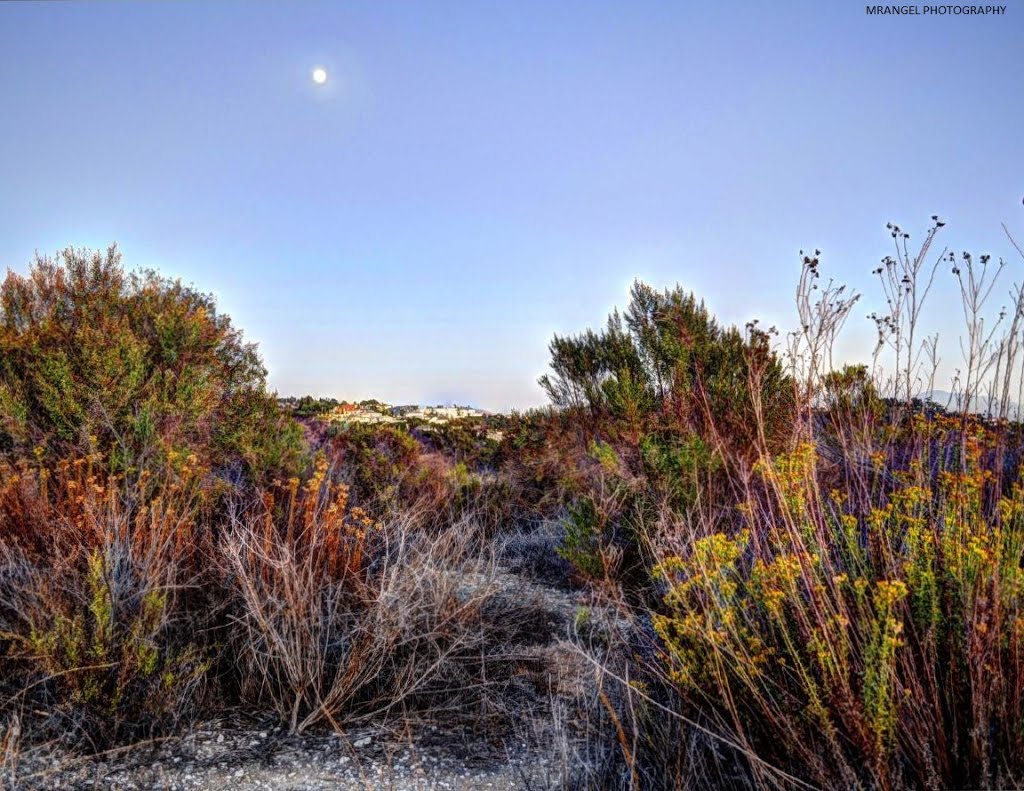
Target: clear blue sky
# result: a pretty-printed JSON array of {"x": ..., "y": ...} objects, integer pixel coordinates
[{"x": 476, "y": 176}]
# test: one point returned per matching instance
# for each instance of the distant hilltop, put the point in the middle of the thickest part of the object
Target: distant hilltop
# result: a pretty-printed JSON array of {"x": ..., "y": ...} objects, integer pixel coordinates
[{"x": 372, "y": 411}]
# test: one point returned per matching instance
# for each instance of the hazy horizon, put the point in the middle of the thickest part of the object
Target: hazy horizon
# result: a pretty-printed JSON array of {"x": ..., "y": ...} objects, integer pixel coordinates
[{"x": 471, "y": 180}]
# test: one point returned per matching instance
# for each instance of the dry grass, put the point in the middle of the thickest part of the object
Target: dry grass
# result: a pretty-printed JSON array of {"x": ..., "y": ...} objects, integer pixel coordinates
[{"x": 411, "y": 624}]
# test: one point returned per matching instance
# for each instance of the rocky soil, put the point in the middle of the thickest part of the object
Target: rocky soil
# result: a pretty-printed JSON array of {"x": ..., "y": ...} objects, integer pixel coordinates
[{"x": 246, "y": 760}]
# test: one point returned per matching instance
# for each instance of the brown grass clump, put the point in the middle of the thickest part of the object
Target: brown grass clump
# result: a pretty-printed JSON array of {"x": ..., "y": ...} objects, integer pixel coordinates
[{"x": 335, "y": 616}]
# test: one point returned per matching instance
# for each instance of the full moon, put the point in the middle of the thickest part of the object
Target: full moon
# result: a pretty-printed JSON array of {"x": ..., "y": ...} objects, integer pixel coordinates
[{"x": 319, "y": 75}]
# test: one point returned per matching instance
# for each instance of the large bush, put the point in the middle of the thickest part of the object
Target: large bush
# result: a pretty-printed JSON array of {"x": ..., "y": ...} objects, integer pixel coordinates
[
  {"x": 133, "y": 365},
  {"x": 667, "y": 363},
  {"x": 673, "y": 403}
]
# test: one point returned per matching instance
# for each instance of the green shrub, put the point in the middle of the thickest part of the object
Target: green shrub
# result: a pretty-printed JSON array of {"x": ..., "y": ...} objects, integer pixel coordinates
[
  {"x": 581, "y": 545},
  {"x": 133, "y": 365},
  {"x": 667, "y": 362},
  {"x": 102, "y": 643}
]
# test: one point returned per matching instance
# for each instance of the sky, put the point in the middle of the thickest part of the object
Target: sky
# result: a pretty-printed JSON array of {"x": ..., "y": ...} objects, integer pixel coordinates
[{"x": 474, "y": 177}]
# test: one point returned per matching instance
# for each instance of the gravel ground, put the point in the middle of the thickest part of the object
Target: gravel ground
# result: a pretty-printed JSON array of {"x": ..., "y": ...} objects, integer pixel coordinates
[{"x": 244, "y": 760}]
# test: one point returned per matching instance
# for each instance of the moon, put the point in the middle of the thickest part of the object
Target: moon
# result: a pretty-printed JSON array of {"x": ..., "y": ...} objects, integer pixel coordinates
[{"x": 319, "y": 75}]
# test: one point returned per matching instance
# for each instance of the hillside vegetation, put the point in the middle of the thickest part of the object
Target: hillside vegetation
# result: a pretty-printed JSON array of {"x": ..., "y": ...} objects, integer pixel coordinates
[{"x": 795, "y": 574}]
